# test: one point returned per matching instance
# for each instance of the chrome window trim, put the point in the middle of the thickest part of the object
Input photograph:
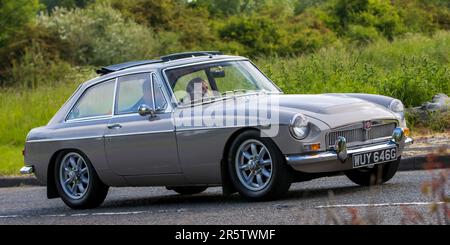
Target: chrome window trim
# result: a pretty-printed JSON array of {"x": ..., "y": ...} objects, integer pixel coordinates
[
  {"x": 88, "y": 119},
  {"x": 115, "y": 96},
  {"x": 160, "y": 86}
]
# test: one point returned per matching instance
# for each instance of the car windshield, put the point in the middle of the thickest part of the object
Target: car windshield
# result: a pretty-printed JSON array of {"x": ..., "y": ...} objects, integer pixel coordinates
[{"x": 211, "y": 81}]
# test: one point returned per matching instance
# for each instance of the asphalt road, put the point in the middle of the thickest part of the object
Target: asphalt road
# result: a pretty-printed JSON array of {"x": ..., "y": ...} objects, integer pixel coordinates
[{"x": 313, "y": 202}]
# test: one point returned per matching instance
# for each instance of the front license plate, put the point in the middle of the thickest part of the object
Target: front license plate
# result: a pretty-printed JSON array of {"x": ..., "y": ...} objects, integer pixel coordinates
[{"x": 374, "y": 157}]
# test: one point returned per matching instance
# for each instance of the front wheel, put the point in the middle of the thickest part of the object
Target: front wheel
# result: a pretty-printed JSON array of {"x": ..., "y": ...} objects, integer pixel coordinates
[
  {"x": 377, "y": 175},
  {"x": 257, "y": 167},
  {"x": 77, "y": 182}
]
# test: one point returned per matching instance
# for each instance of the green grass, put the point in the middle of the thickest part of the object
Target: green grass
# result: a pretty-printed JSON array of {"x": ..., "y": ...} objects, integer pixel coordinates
[
  {"x": 412, "y": 69},
  {"x": 11, "y": 159}
]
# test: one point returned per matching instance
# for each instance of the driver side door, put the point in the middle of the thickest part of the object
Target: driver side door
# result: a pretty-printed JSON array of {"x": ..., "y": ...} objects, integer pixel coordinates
[{"x": 141, "y": 145}]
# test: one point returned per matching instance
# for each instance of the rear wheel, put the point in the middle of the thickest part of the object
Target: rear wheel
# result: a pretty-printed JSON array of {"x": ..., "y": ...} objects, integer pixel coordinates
[
  {"x": 377, "y": 175},
  {"x": 257, "y": 167},
  {"x": 188, "y": 190},
  {"x": 77, "y": 182}
]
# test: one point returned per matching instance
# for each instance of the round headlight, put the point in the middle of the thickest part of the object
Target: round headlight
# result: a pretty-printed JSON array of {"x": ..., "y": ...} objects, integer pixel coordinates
[
  {"x": 299, "y": 126},
  {"x": 397, "y": 106}
]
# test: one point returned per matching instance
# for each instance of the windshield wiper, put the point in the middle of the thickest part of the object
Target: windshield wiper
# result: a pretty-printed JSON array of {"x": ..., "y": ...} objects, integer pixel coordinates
[{"x": 235, "y": 91}]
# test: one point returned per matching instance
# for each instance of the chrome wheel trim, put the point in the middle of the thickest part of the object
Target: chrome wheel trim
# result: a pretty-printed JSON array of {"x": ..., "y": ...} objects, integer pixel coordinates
[
  {"x": 253, "y": 164},
  {"x": 74, "y": 176}
]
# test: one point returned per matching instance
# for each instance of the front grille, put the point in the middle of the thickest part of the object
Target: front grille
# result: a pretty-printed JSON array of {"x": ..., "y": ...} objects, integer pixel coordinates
[{"x": 360, "y": 134}]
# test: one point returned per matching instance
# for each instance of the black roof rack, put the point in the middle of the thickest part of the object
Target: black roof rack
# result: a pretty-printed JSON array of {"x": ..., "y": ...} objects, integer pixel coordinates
[
  {"x": 189, "y": 55},
  {"x": 122, "y": 66},
  {"x": 126, "y": 65}
]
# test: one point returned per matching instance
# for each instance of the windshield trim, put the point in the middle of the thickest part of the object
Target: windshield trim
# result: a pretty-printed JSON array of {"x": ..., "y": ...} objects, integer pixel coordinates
[{"x": 176, "y": 103}]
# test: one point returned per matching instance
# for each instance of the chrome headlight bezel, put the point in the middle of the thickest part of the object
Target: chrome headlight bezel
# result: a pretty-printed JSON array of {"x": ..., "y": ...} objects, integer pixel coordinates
[
  {"x": 299, "y": 126},
  {"x": 397, "y": 106}
]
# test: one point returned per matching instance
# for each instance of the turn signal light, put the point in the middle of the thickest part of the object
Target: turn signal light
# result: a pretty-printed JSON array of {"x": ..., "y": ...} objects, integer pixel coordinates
[
  {"x": 406, "y": 131},
  {"x": 313, "y": 147}
]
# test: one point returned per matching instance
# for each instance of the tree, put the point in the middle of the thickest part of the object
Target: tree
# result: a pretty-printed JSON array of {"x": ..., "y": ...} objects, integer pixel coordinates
[{"x": 15, "y": 14}]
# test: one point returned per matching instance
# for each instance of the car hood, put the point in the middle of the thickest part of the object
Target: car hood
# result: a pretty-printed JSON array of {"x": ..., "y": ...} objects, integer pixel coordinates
[{"x": 334, "y": 109}]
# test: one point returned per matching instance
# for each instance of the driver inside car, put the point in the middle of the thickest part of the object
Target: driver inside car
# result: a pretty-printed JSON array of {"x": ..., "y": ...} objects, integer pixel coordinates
[{"x": 196, "y": 90}]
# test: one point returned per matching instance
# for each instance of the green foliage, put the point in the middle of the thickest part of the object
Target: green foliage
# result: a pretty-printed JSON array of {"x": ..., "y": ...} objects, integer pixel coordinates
[
  {"x": 100, "y": 36},
  {"x": 156, "y": 13},
  {"x": 411, "y": 69},
  {"x": 256, "y": 34},
  {"x": 363, "y": 35},
  {"x": 34, "y": 69},
  {"x": 51, "y": 4},
  {"x": 376, "y": 15},
  {"x": 22, "y": 109},
  {"x": 15, "y": 15}
]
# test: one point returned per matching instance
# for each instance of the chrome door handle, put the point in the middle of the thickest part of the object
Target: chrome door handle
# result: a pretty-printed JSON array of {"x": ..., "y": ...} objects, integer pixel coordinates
[{"x": 114, "y": 126}]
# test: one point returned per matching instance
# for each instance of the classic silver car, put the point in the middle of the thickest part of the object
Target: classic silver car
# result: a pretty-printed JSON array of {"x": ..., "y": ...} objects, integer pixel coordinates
[{"x": 189, "y": 121}]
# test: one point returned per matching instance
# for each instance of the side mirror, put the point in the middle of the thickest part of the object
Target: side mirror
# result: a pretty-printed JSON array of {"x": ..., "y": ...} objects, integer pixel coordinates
[{"x": 145, "y": 110}]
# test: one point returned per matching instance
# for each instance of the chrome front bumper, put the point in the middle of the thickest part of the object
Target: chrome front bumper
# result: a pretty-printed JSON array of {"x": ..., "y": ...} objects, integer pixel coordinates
[{"x": 331, "y": 157}]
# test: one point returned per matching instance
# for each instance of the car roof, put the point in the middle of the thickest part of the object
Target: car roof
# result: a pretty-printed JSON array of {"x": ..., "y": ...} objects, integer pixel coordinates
[{"x": 113, "y": 71}]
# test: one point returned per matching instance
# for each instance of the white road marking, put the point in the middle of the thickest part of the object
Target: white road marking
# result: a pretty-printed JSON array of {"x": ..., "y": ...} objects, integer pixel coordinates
[
  {"x": 380, "y": 204},
  {"x": 78, "y": 215},
  {"x": 90, "y": 214},
  {"x": 53, "y": 215},
  {"x": 120, "y": 213},
  {"x": 10, "y": 216},
  {"x": 86, "y": 214}
]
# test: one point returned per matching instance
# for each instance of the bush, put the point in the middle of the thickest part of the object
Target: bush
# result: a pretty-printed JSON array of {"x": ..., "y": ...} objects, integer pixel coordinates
[
  {"x": 363, "y": 35},
  {"x": 35, "y": 69},
  {"x": 411, "y": 69},
  {"x": 15, "y": 15},
  {"x": 259, "y": 35},
  {"x": 99, "y": 35}
]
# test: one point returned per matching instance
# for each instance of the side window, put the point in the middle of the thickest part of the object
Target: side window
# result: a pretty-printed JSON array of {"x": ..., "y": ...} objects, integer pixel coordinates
[
  {"x": 96, "y": 101},
  {"x": 136, "y": 90}
]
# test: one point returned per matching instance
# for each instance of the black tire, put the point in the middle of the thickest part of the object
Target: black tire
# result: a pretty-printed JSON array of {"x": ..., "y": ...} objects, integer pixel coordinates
[
  {"x": 96, "y": 190},
  {"x": 188, "y": 190},
  {"x": 377, "y": 175},
  {"x": 281, "y": 177}
]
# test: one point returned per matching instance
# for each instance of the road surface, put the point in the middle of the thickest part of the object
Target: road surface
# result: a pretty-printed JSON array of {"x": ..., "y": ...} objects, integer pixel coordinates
[{"x": 313, "y": 202}]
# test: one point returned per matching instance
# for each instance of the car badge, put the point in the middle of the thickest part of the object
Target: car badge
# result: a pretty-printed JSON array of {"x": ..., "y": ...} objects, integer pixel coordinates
[{"x": 367, "y": 125}]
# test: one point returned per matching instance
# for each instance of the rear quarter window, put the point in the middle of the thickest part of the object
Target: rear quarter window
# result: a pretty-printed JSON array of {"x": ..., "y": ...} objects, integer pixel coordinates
[{"x": 96, "y": 101}]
